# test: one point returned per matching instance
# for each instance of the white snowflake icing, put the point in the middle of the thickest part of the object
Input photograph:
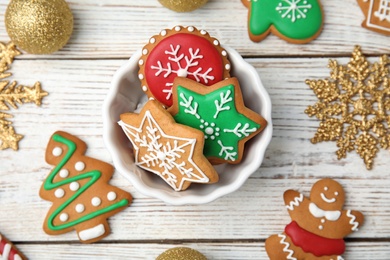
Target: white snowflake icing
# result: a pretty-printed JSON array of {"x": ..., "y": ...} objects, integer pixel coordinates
[
  {"x": 163, "y": 157},
  {"x": 192, "y": 107},
  {"x": 221, "y": 105},
  {"x": 210, "y": 129},
  {"x": 189, "y": 107},
  {"x": 228, "y": 151},
  {"x": 192, "y": 60},
  {"x": 384, "y": 11},
  {"x": 241, "y": 130},
  {"x": 295, "y": 9}
]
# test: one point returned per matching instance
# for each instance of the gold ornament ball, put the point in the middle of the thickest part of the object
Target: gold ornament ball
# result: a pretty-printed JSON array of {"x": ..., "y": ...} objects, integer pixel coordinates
[
  {"x": 181, "y": 253},
  {"x": 39, "y": 26},
  {"x": 183, "y": 5}
]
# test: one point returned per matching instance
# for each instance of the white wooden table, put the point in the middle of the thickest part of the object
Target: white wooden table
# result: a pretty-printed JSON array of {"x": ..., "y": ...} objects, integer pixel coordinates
[{"x": 106, "y": 34}]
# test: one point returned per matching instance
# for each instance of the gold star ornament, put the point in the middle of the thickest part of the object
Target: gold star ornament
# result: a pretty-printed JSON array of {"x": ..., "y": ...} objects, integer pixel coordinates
[
  {"x": 12, "y": 94},
  {"x": 354, "y": 106}
]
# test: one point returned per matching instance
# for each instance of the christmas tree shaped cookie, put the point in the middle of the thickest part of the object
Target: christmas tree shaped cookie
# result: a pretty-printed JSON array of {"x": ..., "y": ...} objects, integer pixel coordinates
[
  {"x": 78, "y": 187},
  {"x": 170, "y": 150},
  {"x": 318, "y": 225},
  {"x": 220, "y": 113},
  {"x": 296, "y": 21}
]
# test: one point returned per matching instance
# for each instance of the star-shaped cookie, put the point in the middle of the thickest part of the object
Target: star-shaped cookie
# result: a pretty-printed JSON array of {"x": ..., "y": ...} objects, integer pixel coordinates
[
  {"x": 172, "y": 151},
  {"x": 219, "y": 112}
]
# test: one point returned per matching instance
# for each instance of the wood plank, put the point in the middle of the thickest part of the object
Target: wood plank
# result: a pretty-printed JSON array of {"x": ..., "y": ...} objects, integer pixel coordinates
[
  {"x": 253, "y": 212},
  {"x": 235, "y": 226},
  {"x": 107, "y": 29},
  {"x": 213, "y": 251},
  {"x": 77, "y": 89}
]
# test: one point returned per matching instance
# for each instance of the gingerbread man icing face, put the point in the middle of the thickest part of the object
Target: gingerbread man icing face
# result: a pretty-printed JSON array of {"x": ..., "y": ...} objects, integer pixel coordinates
[
  {"x": 328, "y": 195},
  {"x": 318, "y": 224}
]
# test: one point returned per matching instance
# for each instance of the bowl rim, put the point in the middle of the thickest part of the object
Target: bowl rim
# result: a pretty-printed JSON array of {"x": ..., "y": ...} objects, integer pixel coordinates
[{"x": 188, "y": 199}]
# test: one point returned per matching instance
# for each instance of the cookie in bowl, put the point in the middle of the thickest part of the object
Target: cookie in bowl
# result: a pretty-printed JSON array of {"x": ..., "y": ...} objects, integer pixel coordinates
[
  {"x": 129, "y": 94},
  {"x": 181, "y": 52},
  {"x": 170, "y": 150},
  {"x": 220, "y": 113}
]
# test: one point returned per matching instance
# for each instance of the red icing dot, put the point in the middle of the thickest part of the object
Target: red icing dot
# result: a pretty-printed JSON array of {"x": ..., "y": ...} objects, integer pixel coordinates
[{"x": 184, "y": 55}]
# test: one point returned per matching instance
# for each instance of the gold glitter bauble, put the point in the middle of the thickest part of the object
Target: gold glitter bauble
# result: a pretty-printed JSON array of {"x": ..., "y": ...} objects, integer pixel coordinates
[
  {"x": 183, "y": 5},
  {"x": 39, "y": 26},
  {"x": 181, "y": 253}
]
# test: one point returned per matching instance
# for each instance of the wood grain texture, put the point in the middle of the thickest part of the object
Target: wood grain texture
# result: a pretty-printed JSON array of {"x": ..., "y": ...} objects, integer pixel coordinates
[
  {"x": 115, "y": 29},
  {"x": 77, "y": 89},
  {"x": 213, "y": 251},
  {"x": 78, "y": 78}
]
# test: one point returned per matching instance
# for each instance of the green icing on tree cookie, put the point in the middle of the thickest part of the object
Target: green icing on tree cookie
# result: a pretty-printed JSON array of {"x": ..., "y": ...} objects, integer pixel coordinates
[
  {"x": 215, "y": 114},
  {"x": 295, "y": 19},
  {"x": 93, "y": 178}
]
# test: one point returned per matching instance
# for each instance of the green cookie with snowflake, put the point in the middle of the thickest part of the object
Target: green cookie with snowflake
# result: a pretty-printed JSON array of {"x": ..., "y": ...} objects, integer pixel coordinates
[
  {"x": 296, "y": 21},
  {"x": 219, "y": 112}
]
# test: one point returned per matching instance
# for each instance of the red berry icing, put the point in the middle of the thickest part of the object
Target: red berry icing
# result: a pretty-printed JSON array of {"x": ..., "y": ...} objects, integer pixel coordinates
[{"x": 183, "y": 55}]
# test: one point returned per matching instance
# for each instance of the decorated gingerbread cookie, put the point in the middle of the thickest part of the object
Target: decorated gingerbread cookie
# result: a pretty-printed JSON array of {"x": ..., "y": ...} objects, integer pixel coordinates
[
  {"x": 172, "y": 151},
  {"x": 318, "y": 225},
  {"x": 377, "y": 14},
  {"x": 220, "y": 113},
  {"x": 296, "y": 21},
  {"x": 247, "y": 3},
  {"x": 8, "y": 251},
  {"x": 78, "y": 187},
  {"x": 181, "y": 52}
]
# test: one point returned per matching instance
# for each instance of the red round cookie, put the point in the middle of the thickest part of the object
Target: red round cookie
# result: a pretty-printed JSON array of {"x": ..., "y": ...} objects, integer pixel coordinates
[{"x": 181, "y": 52}]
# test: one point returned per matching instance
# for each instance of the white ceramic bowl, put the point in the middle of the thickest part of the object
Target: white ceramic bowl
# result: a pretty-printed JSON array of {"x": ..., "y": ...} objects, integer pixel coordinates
[{"x": 126, "y": 95}]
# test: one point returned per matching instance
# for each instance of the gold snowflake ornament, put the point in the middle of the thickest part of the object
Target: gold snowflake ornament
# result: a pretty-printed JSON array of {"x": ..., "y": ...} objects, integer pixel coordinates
[
  {"x": 7, "y": 54},
  {"x": 354, "y": 106},
  {"x": 12, "y": 94},
  {"x": 7, "y": 133}
]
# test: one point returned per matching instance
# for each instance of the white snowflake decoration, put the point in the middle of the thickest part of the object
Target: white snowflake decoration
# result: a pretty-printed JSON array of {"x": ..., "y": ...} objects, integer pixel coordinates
[
  {"x": 163, "y": 157},
  {"x": 182, "y": 71},
  {"x": 295, "y": 9},
  {"x": 384, "y": 11},
  {"x": 221, "y": 106},
  {"x": 210, "y": 122},
  {"x": 209, "y": 128}
]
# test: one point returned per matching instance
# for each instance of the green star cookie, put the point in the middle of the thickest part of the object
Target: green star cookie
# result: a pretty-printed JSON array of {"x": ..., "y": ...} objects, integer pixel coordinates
[{"x": 219, "y": 112}]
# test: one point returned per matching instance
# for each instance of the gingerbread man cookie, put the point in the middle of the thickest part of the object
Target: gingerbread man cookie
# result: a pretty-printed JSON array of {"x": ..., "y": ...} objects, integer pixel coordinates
[
  {"x": 296, "y": 21},
  {"x": 181, "y": 52},
  {"x": 77, "y": 186},
  {"x": 318, "y": 225},
  {"x": 377, "y": 14}
]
